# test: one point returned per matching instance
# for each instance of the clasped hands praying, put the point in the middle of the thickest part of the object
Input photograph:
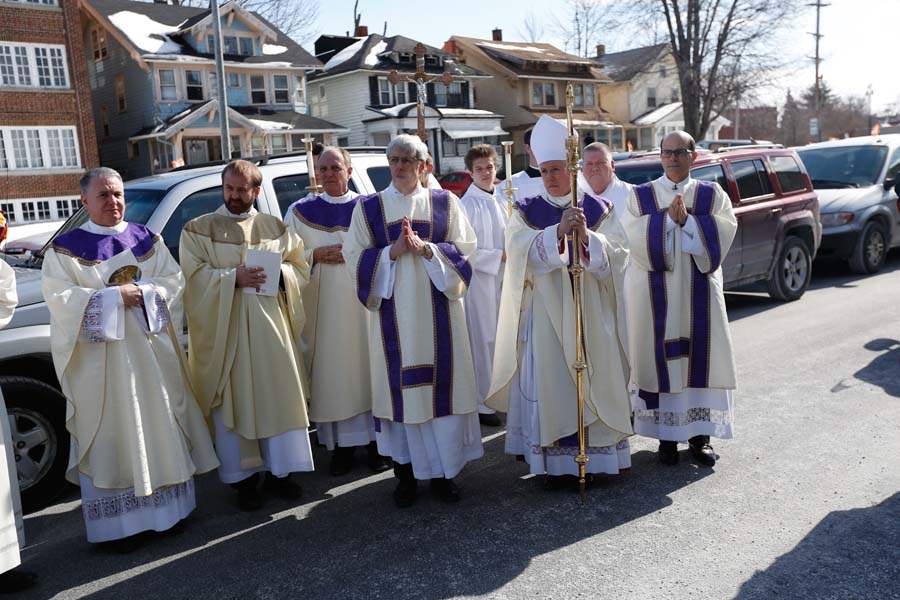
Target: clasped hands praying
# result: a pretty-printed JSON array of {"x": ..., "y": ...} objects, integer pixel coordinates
[
  {"x": 409, "y": 241},
  {"x": 677, "y": 211}
]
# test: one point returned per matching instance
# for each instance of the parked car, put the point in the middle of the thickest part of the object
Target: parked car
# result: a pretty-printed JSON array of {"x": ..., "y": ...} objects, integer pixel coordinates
[
  {"x": 776, "y": 208},
  {"x": 715, "y": 145},
  {"x": 456, "y": 181},
  {"x": 164, "y": 203},
  {"x": 858, "y": 182}
]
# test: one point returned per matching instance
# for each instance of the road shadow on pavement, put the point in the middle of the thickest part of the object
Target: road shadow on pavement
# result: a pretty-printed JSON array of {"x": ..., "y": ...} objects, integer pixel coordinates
[
  {"x": 358, "y": 545},
  {"x": 884, "y": 369},
  {"x": 849, "y": 554}
]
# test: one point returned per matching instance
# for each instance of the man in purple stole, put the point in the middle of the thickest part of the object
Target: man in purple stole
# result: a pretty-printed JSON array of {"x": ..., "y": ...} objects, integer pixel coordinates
[
  {"x": 407, "y": 248},
  {"x": 138, "y": 435},
  {"x": 680, "y": 230},
  {"x": 335, "y": 346}
]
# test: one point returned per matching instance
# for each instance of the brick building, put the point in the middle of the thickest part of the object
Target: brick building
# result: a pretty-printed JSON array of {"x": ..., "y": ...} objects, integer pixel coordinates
[{"x": 47, "y": 134}]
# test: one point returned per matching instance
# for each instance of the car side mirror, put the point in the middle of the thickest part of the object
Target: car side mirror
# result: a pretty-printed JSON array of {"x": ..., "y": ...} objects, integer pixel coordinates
[{"x": 891, "y": 182}]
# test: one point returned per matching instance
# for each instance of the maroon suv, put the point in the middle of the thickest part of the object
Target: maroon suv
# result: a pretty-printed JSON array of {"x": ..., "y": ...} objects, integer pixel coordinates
[{"x": 776, "y": 208}]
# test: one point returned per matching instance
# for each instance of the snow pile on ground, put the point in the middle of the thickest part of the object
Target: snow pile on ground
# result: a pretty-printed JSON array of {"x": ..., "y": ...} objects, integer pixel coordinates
[{"x": 145, "y": 33}]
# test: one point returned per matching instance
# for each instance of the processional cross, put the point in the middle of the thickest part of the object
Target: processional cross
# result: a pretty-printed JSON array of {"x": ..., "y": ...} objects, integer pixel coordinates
[{"x": 421, "y": 79}]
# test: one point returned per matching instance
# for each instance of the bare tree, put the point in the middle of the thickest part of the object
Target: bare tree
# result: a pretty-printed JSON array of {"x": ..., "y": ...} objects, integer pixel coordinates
[
  {"x": 356, "y": 16},
  {"x": 295, "y": 18},
  {"x": 532, "y": 30},
  {"x": 724, "y": 49},
  {"x": 582, "y": 26}
]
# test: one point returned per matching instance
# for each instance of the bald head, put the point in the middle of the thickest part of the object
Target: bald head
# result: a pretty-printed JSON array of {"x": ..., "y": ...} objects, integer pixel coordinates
[
  {"x": 682, "y": 138},
  {"x": 678, "y": 154}
]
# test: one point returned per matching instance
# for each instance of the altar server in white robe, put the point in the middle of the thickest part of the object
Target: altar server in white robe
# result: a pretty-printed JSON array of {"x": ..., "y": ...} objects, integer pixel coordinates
[
  {"x": 680, "y": 230},
  {"x": 408, "y": 248},
  {"x": 487, "y": 212},
  {"x": 526, "y": 183},
  {"x": 533, "y": 378},
  {"x": 243, "y": 349},
  {"x": 335, "y": 335},
  {"x": 12, "y": 532},
  {"x": 138, "y": 435}
]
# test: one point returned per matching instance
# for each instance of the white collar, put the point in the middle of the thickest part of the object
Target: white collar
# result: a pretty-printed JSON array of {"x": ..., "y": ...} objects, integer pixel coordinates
[
  {"x": 391, "y": 189},
  {"x": 346, "y": 197},
  {"x": 562, "y": 201},
  {"x": 92, "y": 227},
  {"x": 675, "y": 187},
  {"x": 223, "y": 210}
]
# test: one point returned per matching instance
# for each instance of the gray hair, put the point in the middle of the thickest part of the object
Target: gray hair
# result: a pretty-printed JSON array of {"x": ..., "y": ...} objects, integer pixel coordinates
[
  {"x": 597, "y": 147},
  {"x": 345, "y": 156},
  {"x": 686, "y": 138},
  {"x": 97, "y": 173},
  {"x": 409, "y": 144}
]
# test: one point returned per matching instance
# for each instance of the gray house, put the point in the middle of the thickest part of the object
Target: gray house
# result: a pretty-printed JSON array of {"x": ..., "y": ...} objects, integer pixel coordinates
[{"x": 153, "y": 82}]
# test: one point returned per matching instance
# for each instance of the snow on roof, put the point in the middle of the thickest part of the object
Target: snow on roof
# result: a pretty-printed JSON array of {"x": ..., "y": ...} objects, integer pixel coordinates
[
  {"x": 395, "y": 110},
  {"x": 372, "y": 57},
  {"x": 511, "y": 47},
  {"x": 465, "y": 111},
  {"x": 653, "y": 117},
  {"x": 270, "y": 125},
  {"x": 144, "y": 32},
  {"x": 344, "y": 55},
  {"x": 269, "y": 49},
  {"x": 185, "y": 58}
]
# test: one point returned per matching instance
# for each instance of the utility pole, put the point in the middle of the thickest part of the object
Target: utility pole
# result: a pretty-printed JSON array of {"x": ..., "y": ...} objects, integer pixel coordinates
[
  {"x": 220, "y": 80},
  {"x": 869, "y": 93},
  {"x": 818, "y": 96}
]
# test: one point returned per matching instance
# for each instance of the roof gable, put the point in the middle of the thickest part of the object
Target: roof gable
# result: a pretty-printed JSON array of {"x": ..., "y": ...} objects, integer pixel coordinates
[
  {"x": 536, "y": 59},
  {"x": 625, "y": 65}
]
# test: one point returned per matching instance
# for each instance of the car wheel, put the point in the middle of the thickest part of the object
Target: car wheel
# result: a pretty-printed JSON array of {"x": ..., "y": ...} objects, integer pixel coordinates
[
  {"x": 793, "y": 269},
  {"x": 871, "y": 250},
  {"x": 40, "y": 441}
]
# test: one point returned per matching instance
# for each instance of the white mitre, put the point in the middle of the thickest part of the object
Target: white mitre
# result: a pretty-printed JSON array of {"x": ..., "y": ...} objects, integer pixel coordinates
[{"x": 548, "y": 140}]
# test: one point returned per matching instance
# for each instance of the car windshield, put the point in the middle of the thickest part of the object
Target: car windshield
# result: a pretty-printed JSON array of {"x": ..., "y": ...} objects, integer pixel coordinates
[
  {"x": 639, "y": 173},
  {"x": 838, "y": 167},
  {"x": 139, "y": 205}
]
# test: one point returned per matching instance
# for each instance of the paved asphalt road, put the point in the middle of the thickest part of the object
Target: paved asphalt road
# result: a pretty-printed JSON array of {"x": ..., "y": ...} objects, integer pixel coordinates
[{"x": 804, "y": 502}]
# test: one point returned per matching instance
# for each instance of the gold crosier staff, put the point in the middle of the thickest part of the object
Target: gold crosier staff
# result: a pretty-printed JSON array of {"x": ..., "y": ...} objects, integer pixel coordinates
[
  {"x": 313, "y": 186},
  {"x": 576, "y": 270},
  {"x": 510, "y": 191}
]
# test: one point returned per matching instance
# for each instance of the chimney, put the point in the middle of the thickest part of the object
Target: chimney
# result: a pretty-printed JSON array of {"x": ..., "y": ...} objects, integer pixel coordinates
[
  {"x": 601, "y": 50},
  {"x": 361, "y": 31},
  {"x": 450, "y": 47},
  {"x": 497, "y": 34}
]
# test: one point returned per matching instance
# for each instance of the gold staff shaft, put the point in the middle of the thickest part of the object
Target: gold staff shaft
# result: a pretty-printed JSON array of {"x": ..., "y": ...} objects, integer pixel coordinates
[
  {"x": 576, "y": 270},
  {"x": 510, "y": 191}
]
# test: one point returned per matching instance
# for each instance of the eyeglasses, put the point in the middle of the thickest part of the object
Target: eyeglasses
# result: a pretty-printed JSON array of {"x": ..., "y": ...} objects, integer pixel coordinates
[
  {"x": 403, "y": 160},
  {"x": 677, "y": 153}
]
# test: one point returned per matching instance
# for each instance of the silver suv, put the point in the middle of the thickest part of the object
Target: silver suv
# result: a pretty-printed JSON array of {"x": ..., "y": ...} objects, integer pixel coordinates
[
  {"x": 164, "y": 203},
  {"x": 858, "y": 183}
]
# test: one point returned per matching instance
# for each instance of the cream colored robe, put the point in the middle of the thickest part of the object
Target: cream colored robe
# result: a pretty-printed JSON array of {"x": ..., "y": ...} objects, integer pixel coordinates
[
  {"x": 12, "y": 532},
  {"x": 678, "y": 325},
  {"x": 335, "y": 336},
  {"x": 419, "y": 351},
  {"x": 243, "y": 348},
  {"x": 549, "y": 298},
  {"x": 130, "y": 410}
]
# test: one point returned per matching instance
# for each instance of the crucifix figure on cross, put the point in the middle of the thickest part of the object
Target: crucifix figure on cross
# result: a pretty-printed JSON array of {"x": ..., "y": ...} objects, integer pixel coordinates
[{"x": 421, "y": 79}]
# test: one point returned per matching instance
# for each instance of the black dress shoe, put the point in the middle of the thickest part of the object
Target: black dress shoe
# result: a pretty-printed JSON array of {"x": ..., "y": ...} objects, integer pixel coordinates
[
  {"x": 16, "y": 580},
  {"x": 703, "y": 454},
  {"x": 376, "y": 462},
  {"x": 446, "y": 490},
  {"x": 341, "y": 461},
  {"x": 249, "y": 497},
  {"x": 490, "y": 420},
  {"x": 407, "y": 486},
  {"x": 283, "y": 487},
  {"x": 668, "y": 453}
]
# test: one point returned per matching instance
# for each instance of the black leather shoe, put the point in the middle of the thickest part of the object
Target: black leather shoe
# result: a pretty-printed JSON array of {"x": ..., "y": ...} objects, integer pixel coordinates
[
  {"x": 668, "y": 453},
  {"x": 249, "y": 497},
  {"x": 16, "y": 580},
  {"x": 283, "y": 487},
  {"x": 491, "y": 420},
  {"x": 704, "y": 454},
  {"x": 446, "y": 490},
  {"x": 407, "y": 486},
  {"x": 376, "y": 462},
  {"x": 341, "y": 461}
]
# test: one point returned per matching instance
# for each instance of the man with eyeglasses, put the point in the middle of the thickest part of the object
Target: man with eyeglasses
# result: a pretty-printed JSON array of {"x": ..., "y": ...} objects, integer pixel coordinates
[
  {"x": 408, "y": 249},
  {"x": 679, "y": 231}
]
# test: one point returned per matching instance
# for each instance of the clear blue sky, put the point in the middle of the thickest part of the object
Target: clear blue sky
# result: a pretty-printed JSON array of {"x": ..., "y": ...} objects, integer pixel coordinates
[{"x": 858, "y": 44}]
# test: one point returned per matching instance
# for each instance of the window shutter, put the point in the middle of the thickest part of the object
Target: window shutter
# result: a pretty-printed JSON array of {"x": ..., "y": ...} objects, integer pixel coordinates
[
  {"x": 374, "y": 100},
  {"x": 413, "y": 93},
  {"x": 464, "y": 87},
  {"x": 430, "y": 93}
]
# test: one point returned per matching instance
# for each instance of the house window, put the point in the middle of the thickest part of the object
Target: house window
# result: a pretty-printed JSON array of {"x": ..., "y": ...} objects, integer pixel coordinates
[
  {"x": 211, "y": 44},
  {"x": 40, "y": 65},
  {"x": 58, "y": 66},
  {"x": 234, "y": 80},
  {"x": 280, "y": 87},
  {"x": 400, "y": 93},
  {"x": 299, "y": 89},
  {"x": 40, "y": 147},
  {"x": 230, "y": 45},
  {"x": 384, "y": 91},
  {"x": 121, "y": 104},
  {"x": 28, "y": 211},
  {"x": 213, "y": 85},
  {"x": 7, "y": 71},
  {"x": 9, "y": 211},
  {"x": 257, "y": 89},
  {"x": 104, "y": 121},
  {"x": 584, "y": 95},
  {"x": 23, "y": 68},
  {"x": 651, "y": 97},
  {"x": 193, "y": 84},
  {"x": 167, "y": 85},
  {"x": 43, "y": 209},
  {"x": 543, "y": 93},
  {"x": 235, "y": 146},
  {"x": 321, "y": 92},
  {"x": 279, "y": 143},
  {"x": 62, "y": 148},
  {"x": 3, "y": 162},
  {"x": 257, "y": 145},
  {"x": 246, "y": 46},
  {"x": 65, "y": 208},
  {"x": 98, "y": 43},
  {"x": 27, "y": 148},
  {"x": 662, "y": 72},
  {"x": 673, "y": 97},
  {"x": 448, "y": 95}
]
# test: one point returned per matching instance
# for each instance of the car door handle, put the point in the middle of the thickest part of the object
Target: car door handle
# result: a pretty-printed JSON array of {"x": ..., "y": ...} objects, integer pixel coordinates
[{"x": 775, "y": 211}]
